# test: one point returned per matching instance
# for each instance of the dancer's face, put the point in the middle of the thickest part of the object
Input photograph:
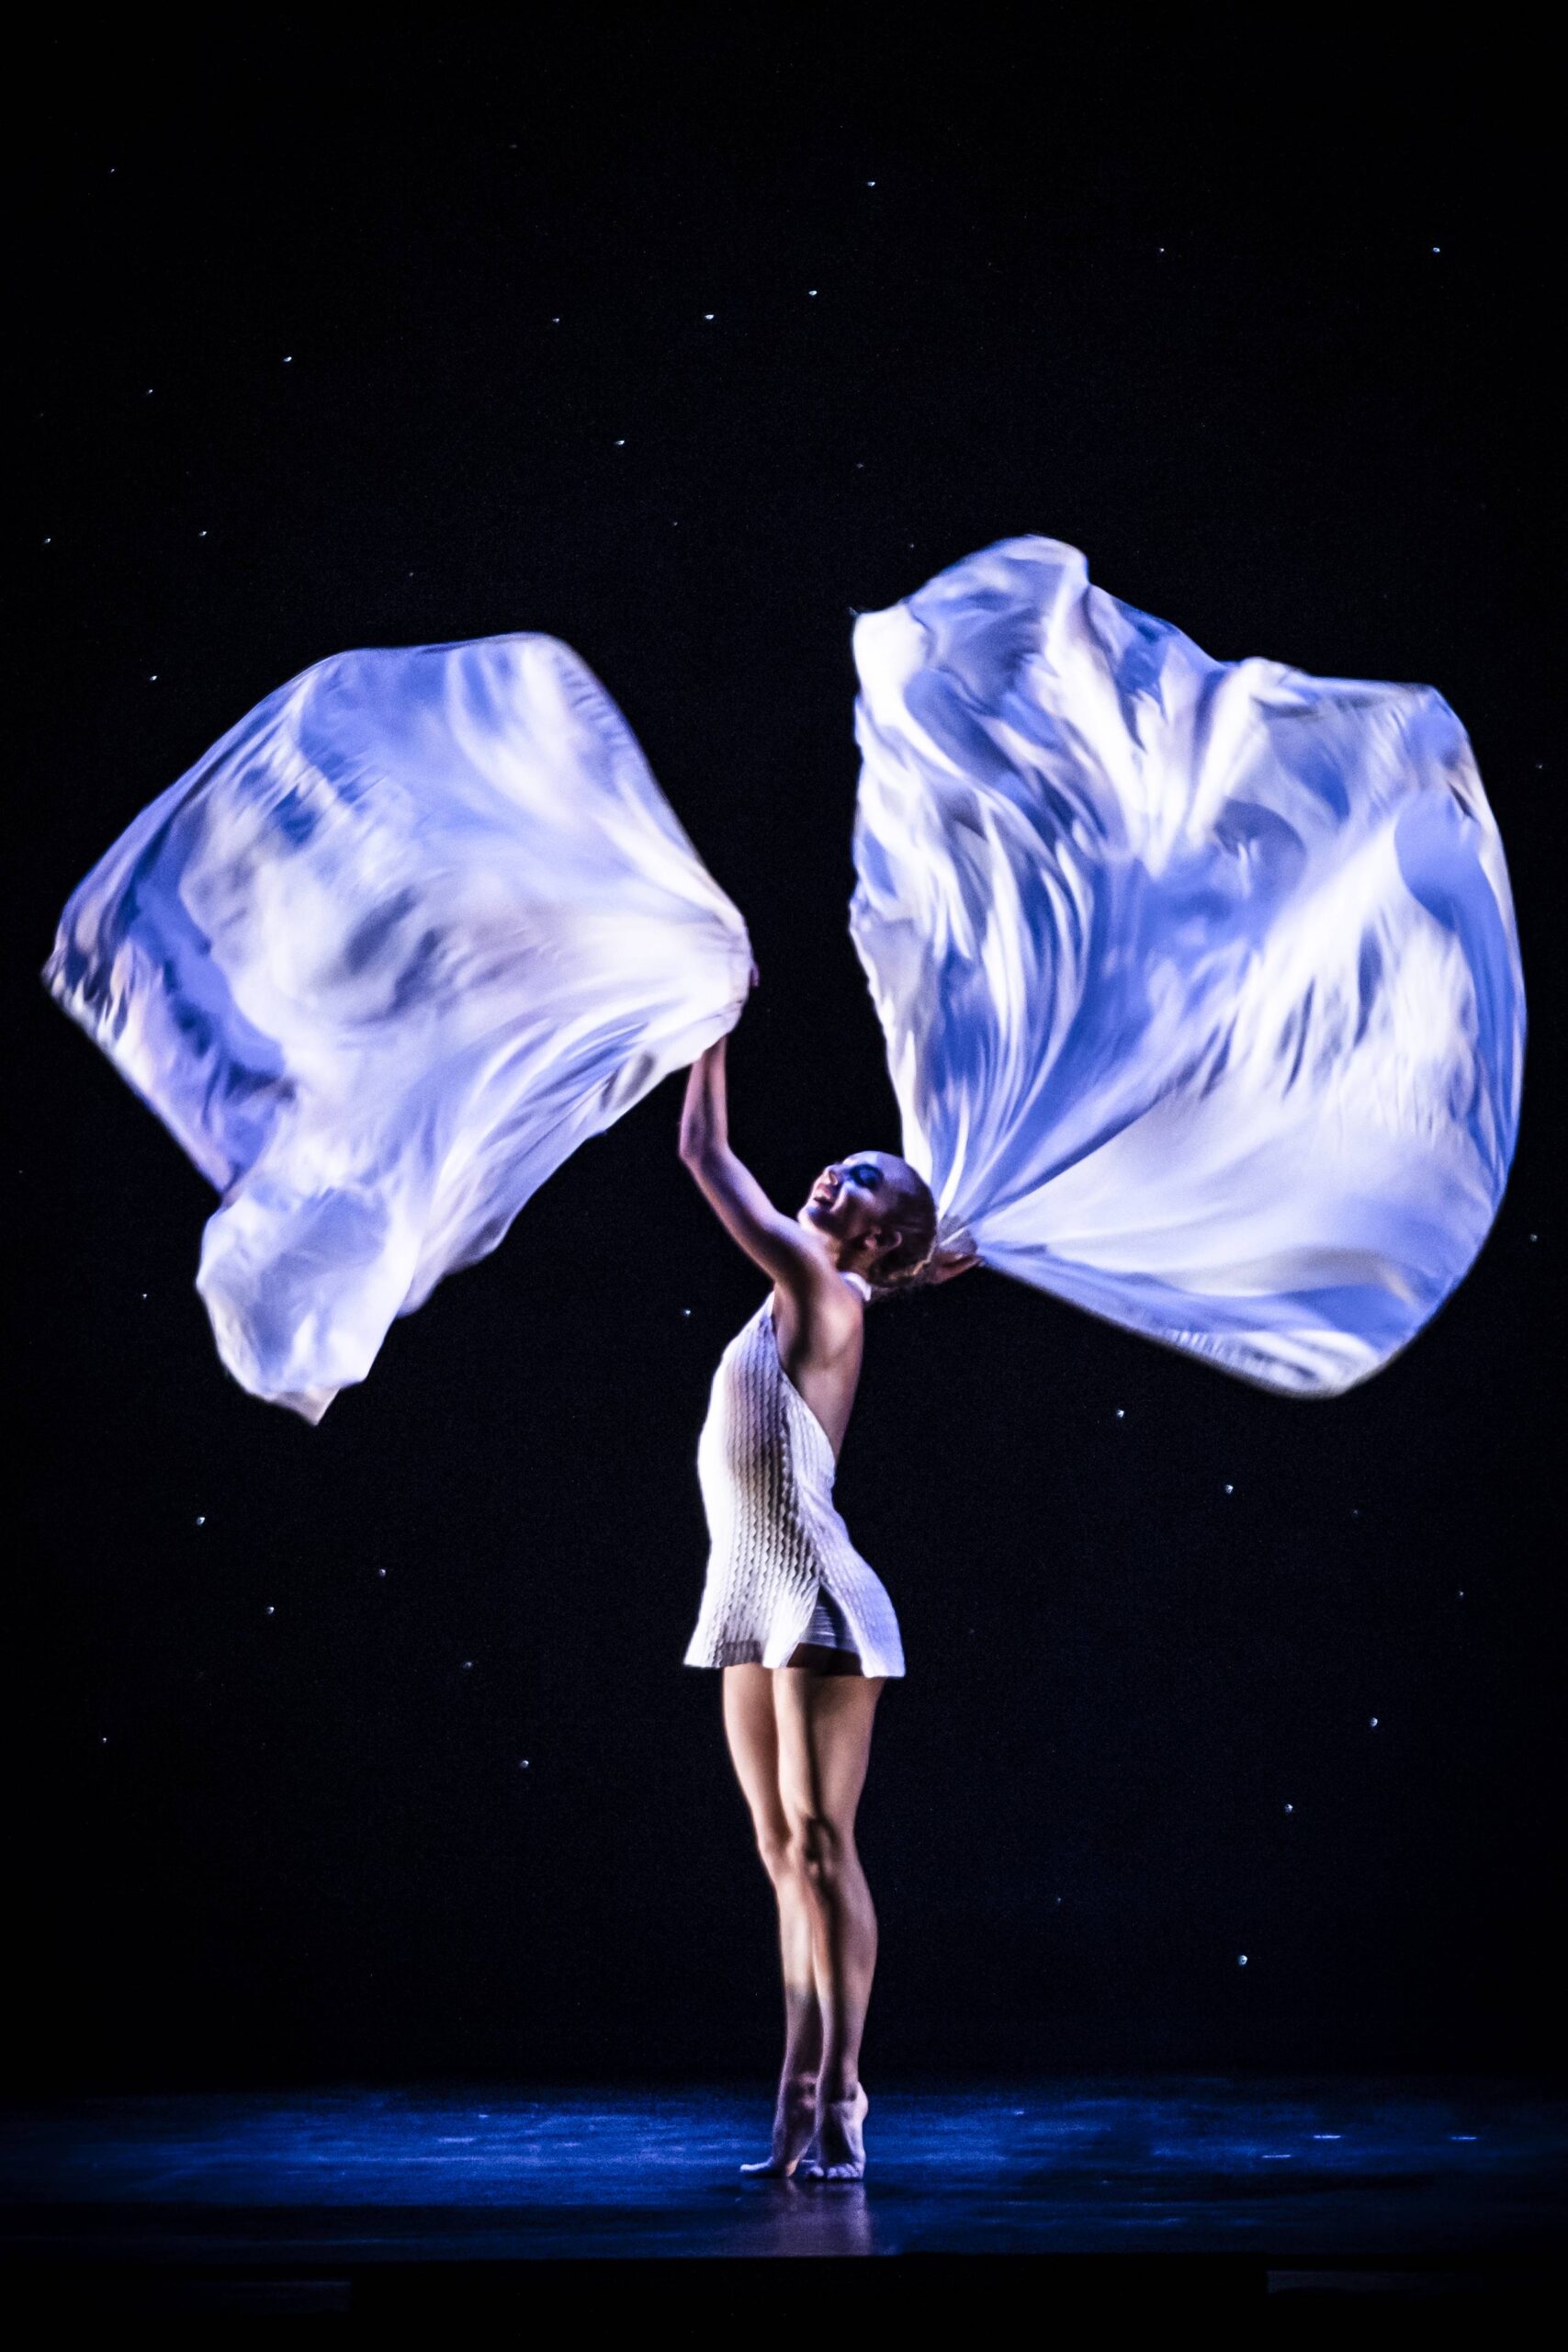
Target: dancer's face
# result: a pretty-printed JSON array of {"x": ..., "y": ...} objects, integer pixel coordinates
[{"x": 855, "y": 1201}]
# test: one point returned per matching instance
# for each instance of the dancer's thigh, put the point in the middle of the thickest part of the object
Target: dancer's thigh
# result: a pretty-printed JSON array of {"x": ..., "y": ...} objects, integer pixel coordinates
[
  {"x": 752, "y": 1730},
  {"x": 824, "y": 1723}
]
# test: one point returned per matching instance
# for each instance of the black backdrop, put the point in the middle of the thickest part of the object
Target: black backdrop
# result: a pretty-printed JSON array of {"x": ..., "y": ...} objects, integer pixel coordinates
[{"x": 337, "y": 342}]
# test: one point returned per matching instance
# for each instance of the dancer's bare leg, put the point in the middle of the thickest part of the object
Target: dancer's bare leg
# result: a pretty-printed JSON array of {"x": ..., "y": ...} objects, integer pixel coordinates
[
  {"x": 752, "y": 1733},
  {"x": 824, "y": 1744}
]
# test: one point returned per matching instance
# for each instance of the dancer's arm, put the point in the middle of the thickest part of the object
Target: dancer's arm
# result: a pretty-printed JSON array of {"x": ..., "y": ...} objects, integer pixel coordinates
[{"x": 781, "y": 1247}]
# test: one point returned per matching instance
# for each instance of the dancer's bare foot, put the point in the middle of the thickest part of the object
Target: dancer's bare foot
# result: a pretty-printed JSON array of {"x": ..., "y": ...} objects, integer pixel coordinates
[
  {"x": 840, "y": 2138},
  {"x": 794, "y": 2128}
]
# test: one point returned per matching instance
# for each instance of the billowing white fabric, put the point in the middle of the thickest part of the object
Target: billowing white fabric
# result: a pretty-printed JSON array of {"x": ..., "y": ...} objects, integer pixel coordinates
[
  {"x": 416, "y": 927},
  {"x": 1200, "y": 979}
]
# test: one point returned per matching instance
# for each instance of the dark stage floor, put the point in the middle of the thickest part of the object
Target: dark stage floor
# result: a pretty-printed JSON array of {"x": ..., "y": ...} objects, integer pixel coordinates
[{"x": 337, "y": 2197}]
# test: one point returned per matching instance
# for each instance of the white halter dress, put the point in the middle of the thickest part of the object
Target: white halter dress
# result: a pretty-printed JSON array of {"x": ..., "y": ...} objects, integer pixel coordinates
[{"x": 781, "y": 1568}]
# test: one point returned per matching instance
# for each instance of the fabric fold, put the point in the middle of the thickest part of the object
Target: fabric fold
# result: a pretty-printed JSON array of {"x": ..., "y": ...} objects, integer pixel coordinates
[
  {"x": 412, "y": 931},
  {"x": 1198, "y": 981}
]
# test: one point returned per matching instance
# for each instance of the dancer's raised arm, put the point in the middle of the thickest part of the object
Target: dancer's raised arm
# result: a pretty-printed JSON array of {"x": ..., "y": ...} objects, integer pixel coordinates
[{"x": 780, "y": 1245}]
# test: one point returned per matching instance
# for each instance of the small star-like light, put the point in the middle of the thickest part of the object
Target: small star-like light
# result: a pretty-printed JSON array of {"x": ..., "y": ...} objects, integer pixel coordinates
[
  {"x": 620, "y": 445},
  {"x": 1230, "y": 1490},
  {"x": 1372, "y": 1723},
  {"x": 871, "y": 182},
  {"x": 1437, "y": 249},
  {"x": 271, "y": 1611},
  {"x": 467, "y": 1665},
  {"x": 49, "y": 543},
  {"x": 1290, "y": 1808},
  {"x": 1325, "y": 2135},
  {"x": 685, "y": 1310},
  {"x": 103, "y": 1739},
  {"x": 1120, "y": 1412},
  {"x": 521, "y": 1763},
  {"x": 1460, "y": 1594},
  {"x": 708, "y": 316},
  {"x": 811, "y": 290},
  {"x": 554, "y": 323},
  {"x": 151, "y": 677},
  {"x": 380, "y": 1572},
  {"x": 289, "y": 359},
  {"x": 1241, "y": 1960},
  {"x": 201, "y": 535},
  {"x": 201, "y": 1516}
]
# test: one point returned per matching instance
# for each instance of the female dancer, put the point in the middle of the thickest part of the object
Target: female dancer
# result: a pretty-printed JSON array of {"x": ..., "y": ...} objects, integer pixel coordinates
[{"x": 801, "y": 1626}]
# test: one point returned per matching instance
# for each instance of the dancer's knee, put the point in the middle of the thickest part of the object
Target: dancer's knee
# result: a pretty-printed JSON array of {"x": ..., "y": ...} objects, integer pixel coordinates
[
  {"x": 777, "y": 1849},
  {"x": 819, "y": 1846}
]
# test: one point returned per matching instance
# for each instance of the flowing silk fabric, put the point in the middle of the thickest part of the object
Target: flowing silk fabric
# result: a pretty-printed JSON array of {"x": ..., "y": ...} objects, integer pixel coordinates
[
  {"x": 416, "y": 927},
  {"x": 1199, "y": 979}
]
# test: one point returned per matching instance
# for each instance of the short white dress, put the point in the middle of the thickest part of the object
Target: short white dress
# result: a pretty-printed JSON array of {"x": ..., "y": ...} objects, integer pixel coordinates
[{"x": 781, "y": 1568}]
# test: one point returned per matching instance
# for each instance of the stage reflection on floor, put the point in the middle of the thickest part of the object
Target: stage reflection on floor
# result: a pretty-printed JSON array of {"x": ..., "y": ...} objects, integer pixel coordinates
[{"x": 1285, "y": 2172}]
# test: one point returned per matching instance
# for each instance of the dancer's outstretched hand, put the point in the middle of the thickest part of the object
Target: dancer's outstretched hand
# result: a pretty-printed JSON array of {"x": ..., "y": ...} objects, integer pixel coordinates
[{"x": 942, "y": 1264}]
